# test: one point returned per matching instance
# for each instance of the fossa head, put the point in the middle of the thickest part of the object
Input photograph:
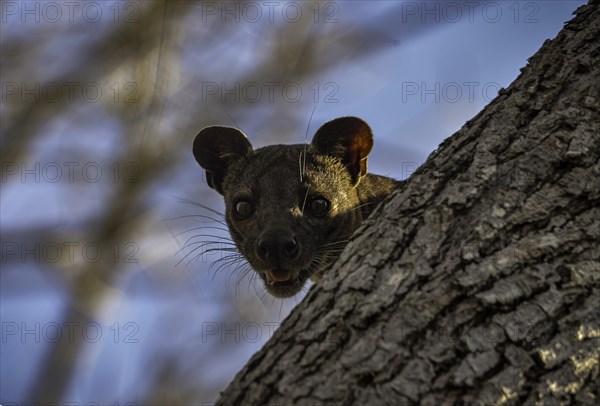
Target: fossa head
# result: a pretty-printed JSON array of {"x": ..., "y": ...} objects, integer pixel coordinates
[{"x": 290, "y": 209}]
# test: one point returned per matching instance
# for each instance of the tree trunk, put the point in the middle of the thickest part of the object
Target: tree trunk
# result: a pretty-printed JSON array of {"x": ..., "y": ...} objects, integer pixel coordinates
[{"x": 479, "y": 280}]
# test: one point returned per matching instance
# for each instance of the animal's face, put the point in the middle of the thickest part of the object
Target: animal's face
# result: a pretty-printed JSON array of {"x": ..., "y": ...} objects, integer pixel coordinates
[
  {"x": 289, "y": 214},
  {"x": 290, "y": 209}
]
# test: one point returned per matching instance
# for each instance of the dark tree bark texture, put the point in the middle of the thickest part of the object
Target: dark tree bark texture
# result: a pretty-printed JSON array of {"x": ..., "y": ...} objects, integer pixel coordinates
[{"x": 478, "y": 282}]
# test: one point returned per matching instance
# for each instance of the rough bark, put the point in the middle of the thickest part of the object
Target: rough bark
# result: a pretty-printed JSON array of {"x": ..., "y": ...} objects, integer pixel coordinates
[{"x": 478, "y": 281}]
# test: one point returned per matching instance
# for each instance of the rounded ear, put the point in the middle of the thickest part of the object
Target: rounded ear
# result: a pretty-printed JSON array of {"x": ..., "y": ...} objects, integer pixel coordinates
[
  {"x": 215, "y": 148},
  {"x": 348, "y": 138}
]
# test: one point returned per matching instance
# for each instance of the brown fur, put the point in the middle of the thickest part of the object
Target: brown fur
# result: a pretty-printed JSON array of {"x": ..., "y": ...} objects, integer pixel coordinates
[{"x": 284, "y": 239}]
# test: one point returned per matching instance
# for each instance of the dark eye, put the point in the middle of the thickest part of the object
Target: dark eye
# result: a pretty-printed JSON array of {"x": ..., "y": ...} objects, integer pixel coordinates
[
  {"x": 318, "y": 206},
  {"x": 243, "y": 209}
]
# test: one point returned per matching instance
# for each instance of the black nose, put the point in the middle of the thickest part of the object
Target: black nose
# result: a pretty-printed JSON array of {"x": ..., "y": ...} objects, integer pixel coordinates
[{"x": 277, "y": 246}]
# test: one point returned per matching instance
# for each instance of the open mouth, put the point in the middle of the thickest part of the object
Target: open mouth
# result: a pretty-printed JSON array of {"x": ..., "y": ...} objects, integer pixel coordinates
[
  {"x": 279, "y": 276},
  {"x": 283, "y": 282}
]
